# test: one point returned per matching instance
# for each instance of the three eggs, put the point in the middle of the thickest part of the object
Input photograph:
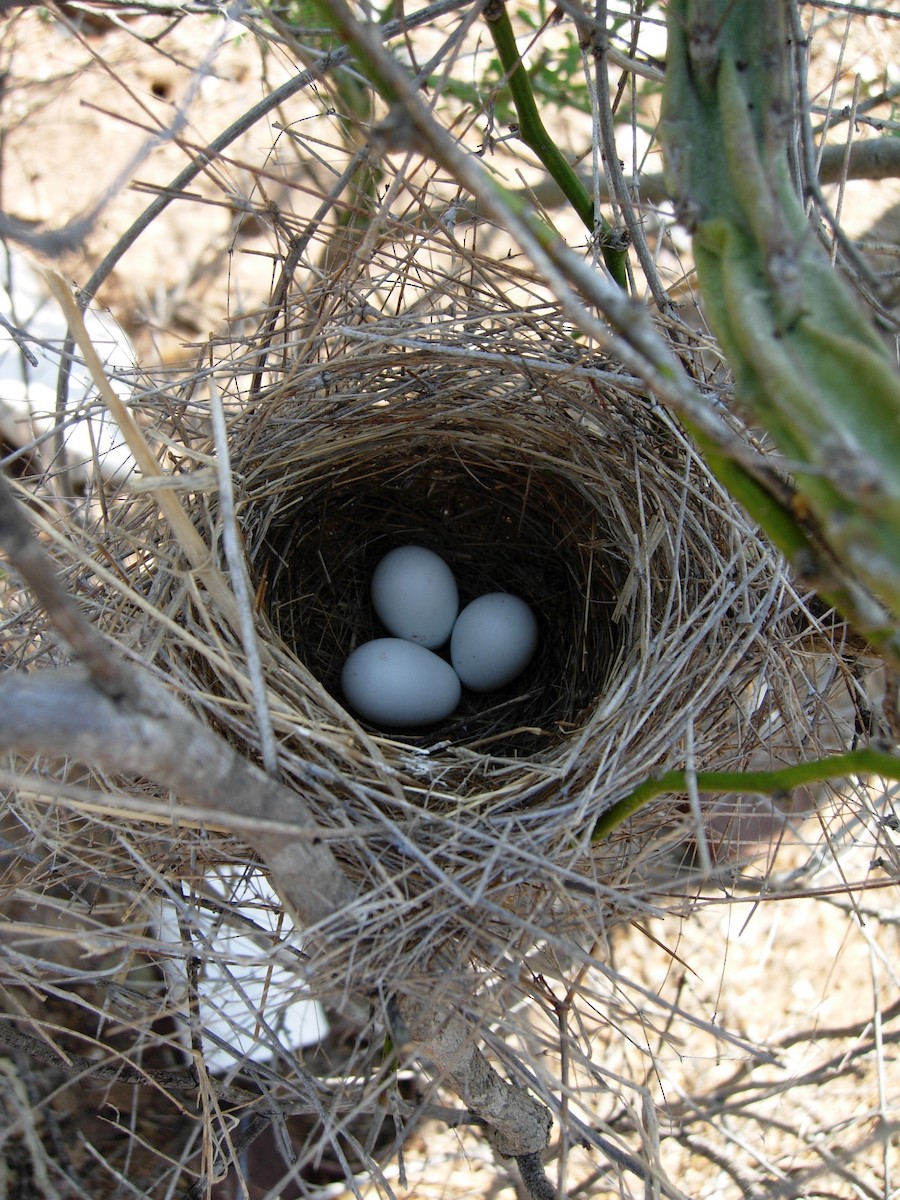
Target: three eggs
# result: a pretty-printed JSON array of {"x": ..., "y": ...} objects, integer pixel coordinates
[{"x": 400, "y": 680}]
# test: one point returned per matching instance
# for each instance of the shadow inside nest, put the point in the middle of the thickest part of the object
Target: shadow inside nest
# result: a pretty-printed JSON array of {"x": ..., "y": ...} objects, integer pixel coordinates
[{"x": 497, "y": 504}]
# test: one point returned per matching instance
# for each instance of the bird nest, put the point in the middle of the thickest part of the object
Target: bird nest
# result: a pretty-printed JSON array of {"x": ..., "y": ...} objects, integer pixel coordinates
[
  {"x": 531, "y": 467},
  {"x": 409, "y": 381},
  {"x": 668, "y": 635}
]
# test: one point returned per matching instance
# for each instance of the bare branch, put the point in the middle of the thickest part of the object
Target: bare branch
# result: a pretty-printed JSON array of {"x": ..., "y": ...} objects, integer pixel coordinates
[
  {"x": 143, "y": 731},
  {"x": 124, "y": 1072},
  {"x": 150, "y": 735}
]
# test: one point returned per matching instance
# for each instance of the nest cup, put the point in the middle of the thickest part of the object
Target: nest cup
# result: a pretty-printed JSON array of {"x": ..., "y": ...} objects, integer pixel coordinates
[
  {"x": 507, "y": 513},
  {"x": 565, "y": 488}
]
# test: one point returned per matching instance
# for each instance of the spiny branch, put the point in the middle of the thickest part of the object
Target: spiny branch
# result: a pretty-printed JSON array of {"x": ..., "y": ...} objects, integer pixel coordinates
[{"x": 117, "y": 717}]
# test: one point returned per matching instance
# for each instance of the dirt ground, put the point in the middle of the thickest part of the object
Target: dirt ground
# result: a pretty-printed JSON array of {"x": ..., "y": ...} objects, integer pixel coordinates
[{"x": 805, "y": 1101}]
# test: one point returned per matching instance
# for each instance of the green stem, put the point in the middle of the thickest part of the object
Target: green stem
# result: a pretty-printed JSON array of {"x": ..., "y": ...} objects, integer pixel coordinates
[
  {"x": 767, "y": 783},
  {"x": 534, "y": 134}
]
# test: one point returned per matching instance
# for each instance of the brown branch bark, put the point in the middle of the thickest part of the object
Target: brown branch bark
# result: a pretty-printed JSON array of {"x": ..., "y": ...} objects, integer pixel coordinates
[
  {"x": 876, "y": 158},
  {"x": 119, "y": 718}
]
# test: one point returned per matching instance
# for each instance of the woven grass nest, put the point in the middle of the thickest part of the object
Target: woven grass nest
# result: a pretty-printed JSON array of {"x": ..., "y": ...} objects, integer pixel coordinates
[
  {"x": 531, "y": 467},
  {"x": 669, "y": 634},
  {"x": 668, "y": 629}
]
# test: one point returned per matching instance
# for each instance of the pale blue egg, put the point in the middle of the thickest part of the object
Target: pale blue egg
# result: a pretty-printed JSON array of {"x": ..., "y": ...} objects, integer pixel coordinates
[
  {"x": 493, "y": 641},
  {"x": 395, "y": 683},
  {"x": 415, "y": 595}
]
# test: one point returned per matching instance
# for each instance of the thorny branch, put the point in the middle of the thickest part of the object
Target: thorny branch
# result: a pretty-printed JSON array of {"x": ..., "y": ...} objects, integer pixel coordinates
[{"x": 119, "y": 718}]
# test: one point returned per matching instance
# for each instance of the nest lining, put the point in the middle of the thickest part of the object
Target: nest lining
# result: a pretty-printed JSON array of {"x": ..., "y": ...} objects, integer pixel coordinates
[{"x": 503, "y": 516}]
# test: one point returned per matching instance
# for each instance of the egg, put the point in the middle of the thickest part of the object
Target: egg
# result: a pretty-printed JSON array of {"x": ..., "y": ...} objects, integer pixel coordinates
[
  {"x": 392, "y": 682},
  {"x": 415, "y": 595},
  {"x": 493, "y": 641}
]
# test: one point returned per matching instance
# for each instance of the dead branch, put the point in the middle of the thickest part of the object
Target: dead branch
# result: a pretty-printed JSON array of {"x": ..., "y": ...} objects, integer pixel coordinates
[{"x": 141, "y": 730}]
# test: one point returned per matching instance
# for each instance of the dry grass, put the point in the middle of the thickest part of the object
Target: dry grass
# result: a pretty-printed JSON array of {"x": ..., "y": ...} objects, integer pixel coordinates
[{"x": 707, "y": 1010}]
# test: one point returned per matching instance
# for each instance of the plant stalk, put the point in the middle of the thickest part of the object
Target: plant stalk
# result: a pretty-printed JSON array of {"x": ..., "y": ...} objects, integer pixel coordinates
[
  {"x": 782, "y": 780},
  {"x": 534, "y": 134},
  {"x": 808, "y": 367}
]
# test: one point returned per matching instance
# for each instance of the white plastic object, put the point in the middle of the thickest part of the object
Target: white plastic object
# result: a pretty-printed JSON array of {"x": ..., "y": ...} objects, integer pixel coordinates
[{"x": 28, "y": 388}]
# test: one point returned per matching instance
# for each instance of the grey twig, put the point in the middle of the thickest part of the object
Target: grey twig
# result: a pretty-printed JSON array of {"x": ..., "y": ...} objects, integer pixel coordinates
[{"x": 122, "y": 720}]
